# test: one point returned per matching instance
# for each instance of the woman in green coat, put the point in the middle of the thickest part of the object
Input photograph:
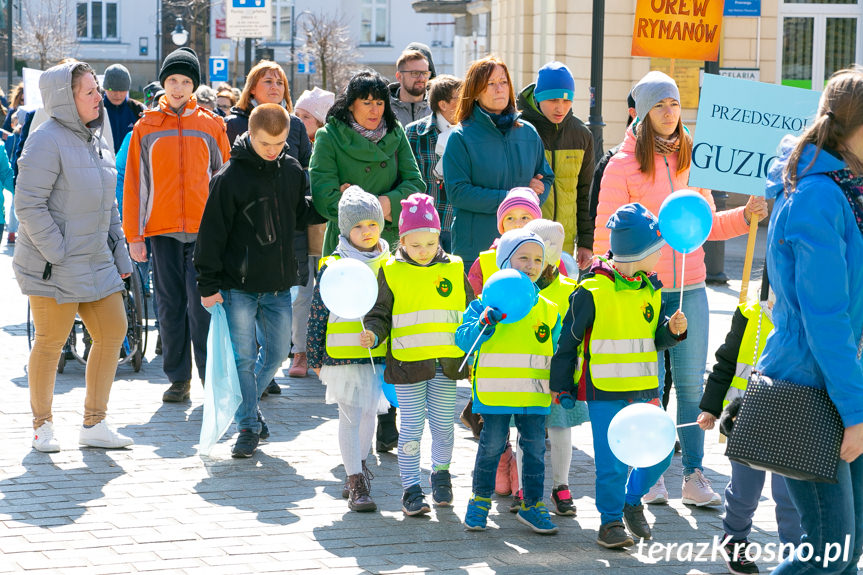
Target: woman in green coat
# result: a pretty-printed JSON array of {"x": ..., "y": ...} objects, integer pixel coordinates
[{"x": 363, "y": 144}]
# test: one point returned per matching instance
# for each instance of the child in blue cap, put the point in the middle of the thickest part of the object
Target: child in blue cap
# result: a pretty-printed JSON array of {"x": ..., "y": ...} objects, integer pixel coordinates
[
  {"x": 510, "y": 378},
  {"x": 611, "y": 334}
]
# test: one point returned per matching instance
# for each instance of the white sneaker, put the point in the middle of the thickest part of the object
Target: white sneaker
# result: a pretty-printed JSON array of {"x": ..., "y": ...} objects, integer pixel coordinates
[
  {"x": 658, "y": 493},
  {"x": 43, "y": 439},
  {"x": 100, "y": 435},
  {"x": 697, "y": 490}
]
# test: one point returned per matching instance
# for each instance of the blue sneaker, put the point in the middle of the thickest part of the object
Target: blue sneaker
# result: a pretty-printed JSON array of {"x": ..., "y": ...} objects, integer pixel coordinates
[
  {"x": 477, "y": 513},
  {"x": 536, "y": 517}
]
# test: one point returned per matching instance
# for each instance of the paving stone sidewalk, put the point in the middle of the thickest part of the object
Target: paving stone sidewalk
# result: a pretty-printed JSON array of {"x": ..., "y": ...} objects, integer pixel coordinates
[{"x": 160, "y": 507}]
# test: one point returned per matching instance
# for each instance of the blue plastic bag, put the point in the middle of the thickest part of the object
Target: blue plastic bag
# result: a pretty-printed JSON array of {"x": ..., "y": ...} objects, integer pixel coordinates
[{"x": 222, "y": 394}]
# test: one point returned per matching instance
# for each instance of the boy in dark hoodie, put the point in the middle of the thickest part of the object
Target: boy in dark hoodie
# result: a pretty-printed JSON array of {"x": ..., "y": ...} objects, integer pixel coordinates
[
  {"x": 245, "y": 260},
  {"x": 608, "y": 348}
]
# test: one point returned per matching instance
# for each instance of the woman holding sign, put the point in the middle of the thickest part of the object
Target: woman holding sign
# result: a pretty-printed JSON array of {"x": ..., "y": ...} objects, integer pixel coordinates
[
  {"x": 652, "y": 164},
  {"x": 814, "y": 257}
]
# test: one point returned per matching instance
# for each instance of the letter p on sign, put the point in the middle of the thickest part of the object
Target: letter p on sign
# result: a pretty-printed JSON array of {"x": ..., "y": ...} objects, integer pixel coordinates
[{"x": 218, "y": 70}]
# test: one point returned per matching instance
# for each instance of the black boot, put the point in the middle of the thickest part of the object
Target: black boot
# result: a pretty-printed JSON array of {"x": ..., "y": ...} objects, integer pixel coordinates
[{"x": 387, "y": 433}]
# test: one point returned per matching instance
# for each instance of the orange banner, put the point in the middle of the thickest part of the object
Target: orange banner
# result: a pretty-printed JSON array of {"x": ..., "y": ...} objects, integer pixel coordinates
[{"x": 683, "y": 29}]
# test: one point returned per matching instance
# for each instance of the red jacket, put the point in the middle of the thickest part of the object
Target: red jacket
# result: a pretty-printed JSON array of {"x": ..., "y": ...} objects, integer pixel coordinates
[
  {"x": 171, "y": 159},
  {"x": 623, "y": 182}
]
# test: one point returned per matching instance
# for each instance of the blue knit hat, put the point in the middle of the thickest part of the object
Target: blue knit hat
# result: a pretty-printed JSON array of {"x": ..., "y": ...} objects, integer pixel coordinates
[
  {"x": 634, "y": 233},
  {"x": 554, "y": 81},
  {"x": 511, "y": 241}
]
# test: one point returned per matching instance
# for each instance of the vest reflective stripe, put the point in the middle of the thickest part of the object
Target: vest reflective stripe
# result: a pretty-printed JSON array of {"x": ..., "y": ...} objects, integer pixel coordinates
[
  {"x": 749, "y": 348},
  {"x": 513, "y": 367},
  {"x": 622, "y": 350},
  {"x": 428, "y": 302},
  {"x": 343, "y": 335},
  {"x": 488, "y": 264}
]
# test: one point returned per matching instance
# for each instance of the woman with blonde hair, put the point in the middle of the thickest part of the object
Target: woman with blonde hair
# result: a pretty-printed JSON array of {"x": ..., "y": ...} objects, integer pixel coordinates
[{"x": 815, "y": 264}]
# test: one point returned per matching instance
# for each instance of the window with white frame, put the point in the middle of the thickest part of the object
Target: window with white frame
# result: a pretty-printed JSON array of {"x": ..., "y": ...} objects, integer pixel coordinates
[
  {"x": 282, "y": 21},
  {"x": 97, "y": 20},
  {"x": 374, "y": 22}
]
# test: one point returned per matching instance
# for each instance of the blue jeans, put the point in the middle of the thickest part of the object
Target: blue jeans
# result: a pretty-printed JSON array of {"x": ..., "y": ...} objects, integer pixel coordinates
[
  {"x": 688, "y": 360},
  {"x": 829, "y": 513},
  {"x": 741, "y": 500},
  {"x": 492, "y": 442},
  {"x": 613, "y": 488},
  {"x": 271, "y": 311}
]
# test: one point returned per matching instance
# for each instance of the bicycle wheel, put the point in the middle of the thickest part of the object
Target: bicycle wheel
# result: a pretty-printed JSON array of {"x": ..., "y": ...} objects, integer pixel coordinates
[{"x": 135, "y": 318}]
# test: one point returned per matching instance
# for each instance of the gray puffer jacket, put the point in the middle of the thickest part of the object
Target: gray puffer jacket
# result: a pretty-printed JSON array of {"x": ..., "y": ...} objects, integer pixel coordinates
[{"x": 66, "y": 204}]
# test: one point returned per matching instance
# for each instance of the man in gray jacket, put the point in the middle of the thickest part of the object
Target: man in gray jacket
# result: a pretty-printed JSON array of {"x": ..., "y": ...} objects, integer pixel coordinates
[{"x": 408, "y": 95}]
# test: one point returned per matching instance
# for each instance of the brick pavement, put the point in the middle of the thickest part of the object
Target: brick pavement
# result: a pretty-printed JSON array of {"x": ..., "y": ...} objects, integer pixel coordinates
[{"x": 161, "y": 508}]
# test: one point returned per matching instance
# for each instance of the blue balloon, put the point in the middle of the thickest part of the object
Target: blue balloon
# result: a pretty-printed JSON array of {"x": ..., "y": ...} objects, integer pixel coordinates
[
  {"x": 685, "y": 220},
  {"x": 641, "y": 435},
  {"x": 390, "y": 393},
  {"x": 511, "y": 292}
]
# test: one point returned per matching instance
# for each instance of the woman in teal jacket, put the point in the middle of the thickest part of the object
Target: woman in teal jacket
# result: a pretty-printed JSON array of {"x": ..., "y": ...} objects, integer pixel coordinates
[
  {"x": 490, "y": 152},
  {"x": 362, "y": 144},
  {"x": 815, "y": 264}
]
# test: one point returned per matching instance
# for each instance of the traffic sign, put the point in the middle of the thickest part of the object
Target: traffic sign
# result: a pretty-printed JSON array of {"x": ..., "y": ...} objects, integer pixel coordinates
[
  {"x": 218, "y": 70},
  {"x": 305, "y": 63},
  {"x": 249, "y": 18}
]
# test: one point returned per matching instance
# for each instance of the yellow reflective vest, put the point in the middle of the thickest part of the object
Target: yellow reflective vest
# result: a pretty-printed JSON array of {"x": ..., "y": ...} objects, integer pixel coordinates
[
  {"x": 513, "y": 367},
  {"x": 558, "y": 292},
  {"x": 622, "y": 343},
  {"x": 758, "y": 327},
  {"x": 488, "y": 263},
  {"x": 343, "y": 335},
  {"x": 428, "y": 302}
]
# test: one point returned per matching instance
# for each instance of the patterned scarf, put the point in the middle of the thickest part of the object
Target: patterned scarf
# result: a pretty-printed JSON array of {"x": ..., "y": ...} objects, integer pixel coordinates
[
  {"x": 375, "y": 135},
  {"x": 669, "y": 146},
  {"x": 852, "y": 187}
]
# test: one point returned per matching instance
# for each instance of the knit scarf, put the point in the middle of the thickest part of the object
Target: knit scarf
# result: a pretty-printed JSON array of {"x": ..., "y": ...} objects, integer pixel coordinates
[
  {"x": 503, "y": 122},
  {"x": 852, "y": 187},
  {"x": 375, "y": 135},
  {"x": 667, "y": 146},
  {"x": 373, "y": 259}
]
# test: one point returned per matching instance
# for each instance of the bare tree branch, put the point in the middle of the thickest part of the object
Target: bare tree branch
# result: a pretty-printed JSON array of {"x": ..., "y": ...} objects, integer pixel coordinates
[
  {"x": 46, "y": 32},
  {"x": 329, "y": 44}
]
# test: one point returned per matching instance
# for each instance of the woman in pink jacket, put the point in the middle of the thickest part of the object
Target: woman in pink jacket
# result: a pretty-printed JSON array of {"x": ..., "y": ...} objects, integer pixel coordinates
[{"x": 653, "y": 163}]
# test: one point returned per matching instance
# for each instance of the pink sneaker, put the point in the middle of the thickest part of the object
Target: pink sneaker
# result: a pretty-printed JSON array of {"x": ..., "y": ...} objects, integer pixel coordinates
[
  {"x": 658, "y": 494},
  {"x": 697, "y": 490},
  {"x": 501, "y": 479},
  {"x": 299, "y": 365}
]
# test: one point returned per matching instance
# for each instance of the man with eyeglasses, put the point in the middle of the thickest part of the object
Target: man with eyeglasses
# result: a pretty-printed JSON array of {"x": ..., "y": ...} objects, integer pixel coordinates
[{"x": 408, "y": 95}]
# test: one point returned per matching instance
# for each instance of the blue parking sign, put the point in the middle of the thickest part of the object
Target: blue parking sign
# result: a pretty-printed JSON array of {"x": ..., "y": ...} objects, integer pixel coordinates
[
  {"x": 249, "y": 3},
  {"x": 218, "y": 70}
]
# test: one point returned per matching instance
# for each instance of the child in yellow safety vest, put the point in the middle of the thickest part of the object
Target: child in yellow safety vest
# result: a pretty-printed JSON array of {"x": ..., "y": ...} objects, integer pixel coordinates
[
  {"x": 510, "y": 380},
  {"x": 422, "y": 292},
  {"x": 608, "y": 348},
  {"x": 334, "y": 351},
  {"x": 726, "y": 385}
]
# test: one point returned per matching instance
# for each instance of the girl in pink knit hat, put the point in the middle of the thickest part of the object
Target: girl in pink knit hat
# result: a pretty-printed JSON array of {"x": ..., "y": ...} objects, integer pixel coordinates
[{"x": 422, "y": 292}]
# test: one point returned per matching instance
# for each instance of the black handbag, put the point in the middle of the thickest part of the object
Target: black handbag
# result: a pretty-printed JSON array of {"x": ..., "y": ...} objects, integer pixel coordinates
[{"x": 789, "y": 429}]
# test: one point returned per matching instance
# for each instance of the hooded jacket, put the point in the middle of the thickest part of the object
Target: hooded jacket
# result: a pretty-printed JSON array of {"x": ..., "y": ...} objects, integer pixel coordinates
[
  {"x": 623, "y": 182},
  {"x": 480, "y": 166},
  {"x": 815, "y": 265},
  {"x": 387, "y": 168},
  {"x": 247, "y": 230},
  {"x": 407, "y": 112},
  {"x": 569, "y": 151},
  {"x": 170, "y": 162},
  {"x": 299, "y": 145},
  {"x": 66, "y": 206}
]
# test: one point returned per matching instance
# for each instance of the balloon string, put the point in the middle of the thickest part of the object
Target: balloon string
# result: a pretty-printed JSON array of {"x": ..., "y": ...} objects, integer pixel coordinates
[
  {"x": 682, "y": 272},
  {"x": 687, "y": 424},
  {"x": 467, "y": 355},
  {"x": 374, "y": 371}
]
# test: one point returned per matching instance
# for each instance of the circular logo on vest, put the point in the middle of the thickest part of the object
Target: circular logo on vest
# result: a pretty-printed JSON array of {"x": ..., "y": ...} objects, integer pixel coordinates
[
  {"x": 443, "y": 287},
  {"x": 647, "y": 312},
  {"x": 542, "y": 332}
]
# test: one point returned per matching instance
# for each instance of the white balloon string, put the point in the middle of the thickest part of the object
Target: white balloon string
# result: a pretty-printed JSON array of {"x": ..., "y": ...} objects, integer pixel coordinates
[
  {"x": 374, "y": 371},
  {"x": 682, "y": 272},
  {"x": 476, "y": 341},
  {"x": 687, "y": 424}
]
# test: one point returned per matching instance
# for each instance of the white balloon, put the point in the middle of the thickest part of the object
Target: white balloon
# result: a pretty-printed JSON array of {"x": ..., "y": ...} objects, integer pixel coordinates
[
  {"x": 349, "y": 288},
  {"x": 641, "y": 435}
]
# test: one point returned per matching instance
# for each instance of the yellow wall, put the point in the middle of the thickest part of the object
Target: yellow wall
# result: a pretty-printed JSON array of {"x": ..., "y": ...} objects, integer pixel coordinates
[{"x": 529, "y": 33}]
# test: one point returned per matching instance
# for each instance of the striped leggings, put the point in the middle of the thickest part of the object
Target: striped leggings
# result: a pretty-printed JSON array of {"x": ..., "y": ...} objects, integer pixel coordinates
[{"x": 436, "y": 395}]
